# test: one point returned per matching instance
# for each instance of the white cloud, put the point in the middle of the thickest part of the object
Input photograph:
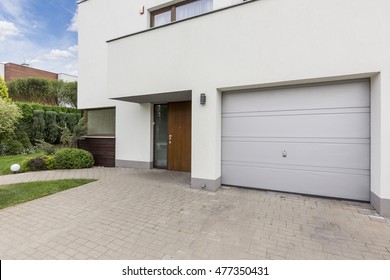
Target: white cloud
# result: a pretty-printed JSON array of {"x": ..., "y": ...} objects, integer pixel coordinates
[
  {"x": 12, "y": 7},
  {"x": 17, "y": 10},
  {"x": 7, "y": 29},
  {"x": 61, "y": 54},
  {"x": 73, "y": 49},
  {"x": 58, "y": 54},
  {"x": 55, "y": 60},
  {"x": 74, "y": 23},
  {"x": 28, "y": 39}
]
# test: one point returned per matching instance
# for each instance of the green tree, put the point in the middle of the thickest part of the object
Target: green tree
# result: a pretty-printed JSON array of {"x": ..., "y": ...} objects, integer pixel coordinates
[
  {"x": 4, "y": 90},
  {"x": 31, "y": 90},
  {"x": 69, "y": 138},
  {"x": 70, "y": 94},
  {"x": 9, "y": 116},
  {"x": 64, "y": 92},
  {"x": 38, "y": 125},
  {"x": 39, "y": 90}
]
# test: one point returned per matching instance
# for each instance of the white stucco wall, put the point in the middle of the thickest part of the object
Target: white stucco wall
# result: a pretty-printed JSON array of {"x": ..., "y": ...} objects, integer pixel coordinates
[
  {"x": 67, "y": 78},
  {"x": 2, "y": 70},
  {"x": 259, "y": 44},
  {"x": 262, "y": 43},
  {"x": 99, "y": 21}
]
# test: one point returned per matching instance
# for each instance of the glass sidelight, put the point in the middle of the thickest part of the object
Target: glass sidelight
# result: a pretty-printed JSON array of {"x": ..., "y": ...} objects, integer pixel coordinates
[{"x": 160, "y": 136}]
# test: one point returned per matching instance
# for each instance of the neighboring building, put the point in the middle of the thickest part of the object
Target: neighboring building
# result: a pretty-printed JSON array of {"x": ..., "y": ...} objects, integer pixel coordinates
[
  {"x": 66, "y": 77},
  {"x": 282, "y": 95},
  {"x": 12, "y": 71}
]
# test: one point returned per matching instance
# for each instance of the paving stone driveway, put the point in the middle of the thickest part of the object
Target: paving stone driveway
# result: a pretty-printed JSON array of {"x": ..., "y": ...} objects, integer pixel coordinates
[{"x": 154, "y": 214}]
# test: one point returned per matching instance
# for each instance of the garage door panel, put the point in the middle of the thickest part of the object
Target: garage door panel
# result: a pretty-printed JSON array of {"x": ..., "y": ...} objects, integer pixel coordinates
[
  {"x": 309, "y": 182},
  {"x": 326, "y": 125},
  {"x": 344, "y": 155},
  {"x": 307, "y": 97},
  {"x": 324, "y": 129}
]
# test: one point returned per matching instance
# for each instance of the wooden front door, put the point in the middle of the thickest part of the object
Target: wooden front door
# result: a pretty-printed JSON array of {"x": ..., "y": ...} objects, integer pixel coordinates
[{"x": 179, "y": 136}]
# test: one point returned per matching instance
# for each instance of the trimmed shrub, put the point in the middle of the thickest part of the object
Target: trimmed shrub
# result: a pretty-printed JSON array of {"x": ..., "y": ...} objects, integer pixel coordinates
[
  {"x": 38, "y": 125},
  {"x": 49, "y": 162},
  {"x": 72, "y": 120},
  {"x": 51, "y": 127},
  {"x": 37, "y": 163},
  {"x": 45, "y": 147},
  {"x": 33, "y": 164},
  {"x": 61, "y": 119},
  {"x": 72, "y": 158},
  {"x": 26, "y": 122}
]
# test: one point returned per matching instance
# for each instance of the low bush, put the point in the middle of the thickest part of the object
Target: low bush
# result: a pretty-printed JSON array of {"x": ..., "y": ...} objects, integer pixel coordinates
[
  {"x": 72, "y": 158},
  {"x": 37, "y": 163},
  {"x": 11, "y": 146},
  {"x": 49, "y": 162},
  {"x": 22, "y": 137},
  {"x": 45, "y": 147},
  {"x": 34, "y": 164}
]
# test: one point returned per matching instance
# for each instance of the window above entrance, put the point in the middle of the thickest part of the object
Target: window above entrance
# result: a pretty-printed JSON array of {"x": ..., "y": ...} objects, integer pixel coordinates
[{"x": 180, "y": 11}]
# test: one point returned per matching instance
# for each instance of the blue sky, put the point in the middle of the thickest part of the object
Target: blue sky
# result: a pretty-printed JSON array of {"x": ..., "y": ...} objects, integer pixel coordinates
[{"x": 42, "y": 33}]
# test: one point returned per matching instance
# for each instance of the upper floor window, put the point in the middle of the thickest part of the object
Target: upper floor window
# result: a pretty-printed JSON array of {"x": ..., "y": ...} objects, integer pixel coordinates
[{"x": 180, "y": 11}]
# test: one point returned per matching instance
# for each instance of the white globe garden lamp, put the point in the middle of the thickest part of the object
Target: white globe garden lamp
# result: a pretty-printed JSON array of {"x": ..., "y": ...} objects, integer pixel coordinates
[{"x": 15, "y": 167}]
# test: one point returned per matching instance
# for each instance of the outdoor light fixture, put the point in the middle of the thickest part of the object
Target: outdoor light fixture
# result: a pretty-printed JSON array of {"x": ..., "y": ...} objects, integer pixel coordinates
[
  {"x": 15, "y": 167},
  {"x": 202, "y": 98}
]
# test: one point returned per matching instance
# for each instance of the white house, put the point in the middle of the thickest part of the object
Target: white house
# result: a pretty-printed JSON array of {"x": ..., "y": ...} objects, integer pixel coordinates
[
  {"x": 67, "y": 78},
  {"x": 286, "y": 95},
  {"x": 2, "y": 70}
]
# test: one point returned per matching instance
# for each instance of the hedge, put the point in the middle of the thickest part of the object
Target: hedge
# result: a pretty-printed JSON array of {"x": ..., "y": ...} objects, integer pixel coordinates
[
  {"x": 44, "y": 91},
  {"x": 51, "y": 127},
  {"x": 63, "y": 116},
  {"x": 38, "y": 126}
]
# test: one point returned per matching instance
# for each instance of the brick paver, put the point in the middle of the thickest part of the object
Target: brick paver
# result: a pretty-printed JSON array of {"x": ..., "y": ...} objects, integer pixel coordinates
[{"x": 154, "y": 214}]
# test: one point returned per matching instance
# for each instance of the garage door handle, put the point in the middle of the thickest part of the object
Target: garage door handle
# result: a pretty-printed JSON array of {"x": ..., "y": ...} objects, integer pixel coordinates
[{"x": 284, "y": 153}]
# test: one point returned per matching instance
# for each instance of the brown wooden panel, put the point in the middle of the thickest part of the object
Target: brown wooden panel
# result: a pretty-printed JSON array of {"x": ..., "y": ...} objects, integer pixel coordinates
[
  {"x": 179, "y": 136},
  {"x": 102, "y": 149},
  {"x": 14, "y": 71}
]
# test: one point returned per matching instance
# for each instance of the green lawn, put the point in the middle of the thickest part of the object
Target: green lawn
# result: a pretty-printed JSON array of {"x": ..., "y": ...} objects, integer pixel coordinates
[
  {"x": 18, "y": 193},
  {"x": 7, "y": 161}
]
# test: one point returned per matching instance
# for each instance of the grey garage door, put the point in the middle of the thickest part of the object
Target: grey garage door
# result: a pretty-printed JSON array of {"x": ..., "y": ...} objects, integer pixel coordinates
[{"x": 311, "y": 139}]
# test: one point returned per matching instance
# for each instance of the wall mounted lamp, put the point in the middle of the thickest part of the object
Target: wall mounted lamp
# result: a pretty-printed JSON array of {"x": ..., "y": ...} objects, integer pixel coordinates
[{"x": 202, "y": 98}]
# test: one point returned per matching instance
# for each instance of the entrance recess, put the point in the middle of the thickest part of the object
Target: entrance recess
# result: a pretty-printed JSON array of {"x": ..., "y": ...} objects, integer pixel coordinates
[{"x": 172, "y": 136}]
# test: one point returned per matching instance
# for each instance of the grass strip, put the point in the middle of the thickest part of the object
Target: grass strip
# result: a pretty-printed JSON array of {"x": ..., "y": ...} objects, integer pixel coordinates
[
  {"x": 7, "y": 161},
  {"x": 21, "y": 192}
]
